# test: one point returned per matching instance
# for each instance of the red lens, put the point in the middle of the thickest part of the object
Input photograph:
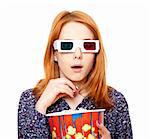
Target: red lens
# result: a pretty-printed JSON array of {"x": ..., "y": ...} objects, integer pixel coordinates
[{"x": 89, "y": 45}]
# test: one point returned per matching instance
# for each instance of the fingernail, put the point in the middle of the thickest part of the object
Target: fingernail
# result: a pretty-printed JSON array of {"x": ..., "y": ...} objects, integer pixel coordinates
[
  {"x": 73, "y": 96},
  {"x": 77, "y": 87},
  {"x": 98, "y": 123},
  {"x": 74, "y": 91}
]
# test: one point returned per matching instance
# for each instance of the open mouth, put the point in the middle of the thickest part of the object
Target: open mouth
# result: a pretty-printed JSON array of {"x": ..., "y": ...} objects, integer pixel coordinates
[{"x": 77, "y": 68}]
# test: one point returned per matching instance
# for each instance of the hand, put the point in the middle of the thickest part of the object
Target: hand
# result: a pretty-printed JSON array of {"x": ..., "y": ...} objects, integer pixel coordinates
[
  {"x": 104, "y": 133},
  {"x": 55, "y": 89}
]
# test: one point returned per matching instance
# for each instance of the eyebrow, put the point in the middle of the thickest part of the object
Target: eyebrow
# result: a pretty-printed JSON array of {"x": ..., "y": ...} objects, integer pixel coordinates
[
  {"x": 82, "y": 39},
  {"x": 88, "y": 39}
]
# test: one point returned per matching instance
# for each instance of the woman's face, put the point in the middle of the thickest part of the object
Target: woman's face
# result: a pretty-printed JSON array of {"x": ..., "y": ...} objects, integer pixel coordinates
[{"x": 67, "y": 61}]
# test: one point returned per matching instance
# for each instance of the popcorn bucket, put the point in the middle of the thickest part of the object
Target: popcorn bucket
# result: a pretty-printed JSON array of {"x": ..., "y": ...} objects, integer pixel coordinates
[{"x": 77, "y": 124}]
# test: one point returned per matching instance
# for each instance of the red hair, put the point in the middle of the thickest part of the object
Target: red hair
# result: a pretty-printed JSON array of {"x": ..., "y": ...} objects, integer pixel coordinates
[{"x": 96, "y": 80}]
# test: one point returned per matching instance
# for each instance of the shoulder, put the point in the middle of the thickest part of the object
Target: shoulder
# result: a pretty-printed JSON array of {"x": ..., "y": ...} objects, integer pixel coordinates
[
  {"x": 118, "y": 99},
  {"x": 27, "y": 96}
]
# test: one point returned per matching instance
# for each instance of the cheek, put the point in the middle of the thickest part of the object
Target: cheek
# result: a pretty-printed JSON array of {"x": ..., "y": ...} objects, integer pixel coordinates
[
  {"x": 63, "y": 60},
  {"x": 89, "y": 61},
  {"x": 90, "y": 58}
]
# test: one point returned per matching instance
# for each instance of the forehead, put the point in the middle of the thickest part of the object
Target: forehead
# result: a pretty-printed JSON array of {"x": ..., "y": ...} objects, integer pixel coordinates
[{"x": 75, "y": 30}]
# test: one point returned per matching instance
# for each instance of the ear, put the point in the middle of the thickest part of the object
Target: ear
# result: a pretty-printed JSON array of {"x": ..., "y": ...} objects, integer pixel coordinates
[{"x": 55, "y": 57}]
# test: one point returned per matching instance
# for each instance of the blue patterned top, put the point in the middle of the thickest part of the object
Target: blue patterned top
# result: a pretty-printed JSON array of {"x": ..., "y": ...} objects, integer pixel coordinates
[{"x": 34, "y": 125}]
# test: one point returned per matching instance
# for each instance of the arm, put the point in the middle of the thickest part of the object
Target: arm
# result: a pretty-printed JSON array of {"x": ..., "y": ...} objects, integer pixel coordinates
[
  {"x": 123, "y": 124},
  {"x": 31, "y": 123}
]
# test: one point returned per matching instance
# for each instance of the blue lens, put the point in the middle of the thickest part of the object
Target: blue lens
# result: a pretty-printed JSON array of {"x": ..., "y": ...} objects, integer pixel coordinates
[{"x": 66, "y": 45}]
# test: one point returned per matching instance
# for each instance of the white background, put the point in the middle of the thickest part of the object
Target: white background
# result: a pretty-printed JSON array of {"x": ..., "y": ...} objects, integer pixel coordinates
[{"x": 125, "y": 29}]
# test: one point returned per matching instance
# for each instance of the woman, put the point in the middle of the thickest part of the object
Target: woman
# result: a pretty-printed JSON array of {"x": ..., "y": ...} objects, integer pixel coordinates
[{"x": 75, "y": 78}]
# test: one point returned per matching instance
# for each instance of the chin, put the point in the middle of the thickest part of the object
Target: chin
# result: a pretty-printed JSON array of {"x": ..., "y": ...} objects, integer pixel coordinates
[{"x": 76, "y": 79}]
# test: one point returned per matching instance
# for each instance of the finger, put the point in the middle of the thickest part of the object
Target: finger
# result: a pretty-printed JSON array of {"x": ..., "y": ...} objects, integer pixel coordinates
[
  {"x": 69, "y": 90},
  {"x": 99, "y": 126},
  {"x": 63, "y": 88},
  {"x": 59, "y": 96},
  {"x": 66, "y": 90},
  {"x": 67, "y": 82},
  {"x": 102, "y": 128}
]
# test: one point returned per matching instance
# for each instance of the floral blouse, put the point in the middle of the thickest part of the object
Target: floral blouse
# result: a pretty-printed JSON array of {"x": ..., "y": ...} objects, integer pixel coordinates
[{"x": 34, "y": 125}]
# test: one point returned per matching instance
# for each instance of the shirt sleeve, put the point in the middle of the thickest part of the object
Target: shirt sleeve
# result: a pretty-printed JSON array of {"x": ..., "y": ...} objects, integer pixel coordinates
[
  {"x": 31, "y": 123},
  {"x": 123, "y": 122}
]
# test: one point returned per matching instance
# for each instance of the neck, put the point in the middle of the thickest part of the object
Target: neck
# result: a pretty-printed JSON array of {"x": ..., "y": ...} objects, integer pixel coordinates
[{"x": 79, "y": 85}]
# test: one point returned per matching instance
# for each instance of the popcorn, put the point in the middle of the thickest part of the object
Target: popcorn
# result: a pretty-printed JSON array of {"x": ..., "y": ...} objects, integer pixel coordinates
[
  {"x": 71, "y": 130},
  {"x": 79, "y": 136},
  {"x": 90, "y": 136},
  {"x": 68, "y": 136},
  {"x": 71, "y": 124},
  {"x": 54, "y": 135},
  {"x": 86, "y": 127},
  {"x": 93, "y": 129}
]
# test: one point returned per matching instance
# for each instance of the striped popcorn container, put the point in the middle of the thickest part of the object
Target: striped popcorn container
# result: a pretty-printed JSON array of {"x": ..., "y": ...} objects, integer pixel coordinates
[{"x": 79, "y": 124}]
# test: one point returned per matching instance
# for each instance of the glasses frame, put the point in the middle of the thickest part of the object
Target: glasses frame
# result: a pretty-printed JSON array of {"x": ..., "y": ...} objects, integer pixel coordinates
[{"x": 76, "y": 44}]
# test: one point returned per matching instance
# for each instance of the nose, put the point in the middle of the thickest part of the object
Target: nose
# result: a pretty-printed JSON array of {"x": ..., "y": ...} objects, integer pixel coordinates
[{"x": 78, "y": 53}]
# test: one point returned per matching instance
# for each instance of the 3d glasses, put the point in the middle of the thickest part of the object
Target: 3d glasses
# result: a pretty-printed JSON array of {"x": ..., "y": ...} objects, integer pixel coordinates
[{"x": 71, "y": 45}]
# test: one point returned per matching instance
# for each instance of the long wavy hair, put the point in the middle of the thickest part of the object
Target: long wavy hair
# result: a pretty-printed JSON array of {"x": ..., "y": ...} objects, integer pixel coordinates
[{"x": 96, "y": 80}]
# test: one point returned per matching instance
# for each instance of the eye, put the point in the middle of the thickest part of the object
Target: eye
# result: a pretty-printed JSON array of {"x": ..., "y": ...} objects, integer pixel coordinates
[
  {"x": 66, "y": 45},
  {"x": 89, "y": 45}
]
